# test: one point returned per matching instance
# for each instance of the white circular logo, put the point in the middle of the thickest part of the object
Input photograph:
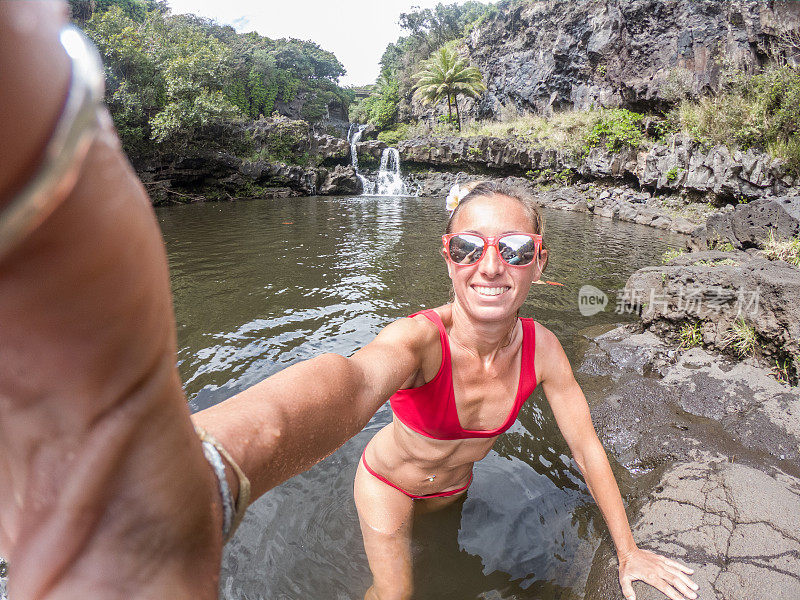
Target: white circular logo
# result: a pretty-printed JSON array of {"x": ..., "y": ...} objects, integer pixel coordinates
[{"x": 591, "y": 300}]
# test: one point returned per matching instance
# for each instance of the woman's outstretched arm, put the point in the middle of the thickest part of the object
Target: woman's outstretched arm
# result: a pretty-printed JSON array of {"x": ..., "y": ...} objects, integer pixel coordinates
[
  {"x": 574, "y": 420},
  {"x": 105, "y": 490},
  {"x": 286, "y": 423}
]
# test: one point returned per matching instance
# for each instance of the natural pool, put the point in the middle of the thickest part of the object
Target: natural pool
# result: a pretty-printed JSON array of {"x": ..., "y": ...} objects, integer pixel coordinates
[{"x": 259, "y": 285}]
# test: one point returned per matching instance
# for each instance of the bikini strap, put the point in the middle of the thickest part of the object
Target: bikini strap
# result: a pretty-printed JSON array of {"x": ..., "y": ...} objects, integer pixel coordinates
[
  {"x": 434, "y": 318},
  {"x": 529, "y": 352}
]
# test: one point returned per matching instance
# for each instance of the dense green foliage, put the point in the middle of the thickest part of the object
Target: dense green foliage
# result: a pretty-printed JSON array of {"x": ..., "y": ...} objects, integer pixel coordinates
[
  {"x": 446, "y": 76},
  {"x": 616, "y": 128},
  {"x": 393, "y": 136},
  {"x": 431, "y": 28},
  {"x": 380, "y": 108},
  {"x": 428, "y": 30},
  {"x": 179, "y": 80}
]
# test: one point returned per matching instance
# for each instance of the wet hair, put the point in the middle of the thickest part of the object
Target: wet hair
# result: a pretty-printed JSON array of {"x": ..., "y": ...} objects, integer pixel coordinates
[{"x": 485, "y": 189}]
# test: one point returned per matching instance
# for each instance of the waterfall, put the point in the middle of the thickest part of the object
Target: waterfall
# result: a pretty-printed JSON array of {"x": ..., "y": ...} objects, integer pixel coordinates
[
  {"x": 354, "y": 136},
  {"x": 390, "y": 182}
]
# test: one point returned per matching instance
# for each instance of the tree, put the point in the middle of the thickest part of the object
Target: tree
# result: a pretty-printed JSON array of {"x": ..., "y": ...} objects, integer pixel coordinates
[{"x": 446, "y": 75}]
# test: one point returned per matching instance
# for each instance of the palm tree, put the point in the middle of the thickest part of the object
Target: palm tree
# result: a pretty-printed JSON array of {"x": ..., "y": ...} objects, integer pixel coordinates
[{"x": 446, "y": 75}]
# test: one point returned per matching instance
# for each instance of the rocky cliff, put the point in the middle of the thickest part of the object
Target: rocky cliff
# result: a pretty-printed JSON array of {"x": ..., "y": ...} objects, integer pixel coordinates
[
  {"x": 278, "y": 157},
  {"x": 679, "y": 165},
  {"x": 640, "y": 54}
]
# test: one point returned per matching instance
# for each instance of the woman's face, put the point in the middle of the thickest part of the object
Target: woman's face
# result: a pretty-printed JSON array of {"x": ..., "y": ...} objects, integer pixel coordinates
[{"x": 491, "y": 290}]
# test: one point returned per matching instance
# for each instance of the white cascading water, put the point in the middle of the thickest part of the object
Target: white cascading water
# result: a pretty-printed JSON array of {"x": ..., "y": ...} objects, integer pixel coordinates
[
  {"x": 390, "y": 182},
  {"x": 354, "y": 136}
]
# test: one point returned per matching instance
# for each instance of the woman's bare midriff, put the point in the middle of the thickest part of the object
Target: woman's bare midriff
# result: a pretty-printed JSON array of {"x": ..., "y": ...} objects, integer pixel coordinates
[{"x": 409, "y": 459}]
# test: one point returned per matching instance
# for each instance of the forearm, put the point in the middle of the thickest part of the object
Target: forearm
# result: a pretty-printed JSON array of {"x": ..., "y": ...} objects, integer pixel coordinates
[
  {"x": 286, "y": 423},
  {"x": 602, "y": 485}
]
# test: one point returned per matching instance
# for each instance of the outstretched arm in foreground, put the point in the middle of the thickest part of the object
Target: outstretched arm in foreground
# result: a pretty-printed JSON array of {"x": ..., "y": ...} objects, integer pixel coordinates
[
  {"x": 288, "y": 422},
  {"x": 105, "y": 490},
  {"x": 572, "y": 415}
]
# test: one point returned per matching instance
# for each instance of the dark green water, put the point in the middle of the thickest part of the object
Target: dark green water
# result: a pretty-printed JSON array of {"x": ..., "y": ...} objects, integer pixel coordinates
[{"x": 259, "y": 285}]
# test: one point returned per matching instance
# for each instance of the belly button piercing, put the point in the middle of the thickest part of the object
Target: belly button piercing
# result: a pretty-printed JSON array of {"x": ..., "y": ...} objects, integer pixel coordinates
[{"x": 432, "y": 477}]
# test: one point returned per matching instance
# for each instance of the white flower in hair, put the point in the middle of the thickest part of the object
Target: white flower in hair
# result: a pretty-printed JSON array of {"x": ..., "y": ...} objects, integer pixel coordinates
[{"x": 455, "y": 196}]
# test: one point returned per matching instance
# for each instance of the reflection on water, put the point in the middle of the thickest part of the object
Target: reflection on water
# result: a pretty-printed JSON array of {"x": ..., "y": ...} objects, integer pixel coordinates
[{"x": 259, "y": 285}]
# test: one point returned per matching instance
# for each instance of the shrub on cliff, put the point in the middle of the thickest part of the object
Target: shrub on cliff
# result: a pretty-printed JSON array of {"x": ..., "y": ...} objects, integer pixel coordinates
[
  {"x": 616, "y": 128},
  {"x": 394, "y": 136},
  {"x": 760, "y": 110}
]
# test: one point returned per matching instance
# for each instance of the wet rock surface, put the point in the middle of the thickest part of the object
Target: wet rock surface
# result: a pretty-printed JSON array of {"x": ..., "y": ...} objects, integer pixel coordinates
[
  {"x": 735, "y": 525},
  {"x": 661, "y": 403},
  {"x": 715, "y": 446}
]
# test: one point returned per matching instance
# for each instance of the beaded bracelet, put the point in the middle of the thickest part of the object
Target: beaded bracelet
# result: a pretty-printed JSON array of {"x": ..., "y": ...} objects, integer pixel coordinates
[{"x": 232, "y": 515}]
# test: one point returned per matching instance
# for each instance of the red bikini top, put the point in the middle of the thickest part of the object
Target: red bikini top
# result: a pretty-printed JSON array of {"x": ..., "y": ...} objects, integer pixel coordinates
[{"x": 431, "y": 408}]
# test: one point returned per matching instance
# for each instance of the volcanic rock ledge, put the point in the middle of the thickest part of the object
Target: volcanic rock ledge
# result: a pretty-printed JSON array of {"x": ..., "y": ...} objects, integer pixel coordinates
[
  {"x": 715, "y": 446},
  {"x": 679, "y": 165}
]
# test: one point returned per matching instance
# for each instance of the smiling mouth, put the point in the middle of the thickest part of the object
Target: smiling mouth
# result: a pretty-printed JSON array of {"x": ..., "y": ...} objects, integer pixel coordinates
[{"x": 491, "y": 291}]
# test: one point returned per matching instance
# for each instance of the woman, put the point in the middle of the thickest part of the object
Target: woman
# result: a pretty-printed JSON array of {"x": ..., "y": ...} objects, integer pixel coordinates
[
  {"x": 103, "y": 477},
  {"x": 467, "y": 367}
]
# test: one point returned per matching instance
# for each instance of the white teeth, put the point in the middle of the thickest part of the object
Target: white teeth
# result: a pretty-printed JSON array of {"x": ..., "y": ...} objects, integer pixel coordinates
[{"x": 490, "y": 291}]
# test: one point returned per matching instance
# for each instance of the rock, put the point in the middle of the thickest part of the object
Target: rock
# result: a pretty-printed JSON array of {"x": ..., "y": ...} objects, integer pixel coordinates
[
  {"x": 750, "y": 223},
  {"x": 371, "y": 149},
  {"x": 640, "y": 54},
  {"x": 735, "y": 525},
  {"x": 717, "y": 289},
  {"x": 678, "y": 165},
  {"x": 330, "y": 149},
  {"x": 280, "y": 136},
  {"x": 607, "y": 211},
  {"x": 715, "y": 446},
  {"x": 747, "y": 225},
  {"x": 661, "y": 222},
  {"x": 664, "y": 403},
  {"x": 682, "y": 225},
  {"x": 434, "y": 183},
  {"x": 341, "y": 181},
  {"x": 370, "y": 132}
]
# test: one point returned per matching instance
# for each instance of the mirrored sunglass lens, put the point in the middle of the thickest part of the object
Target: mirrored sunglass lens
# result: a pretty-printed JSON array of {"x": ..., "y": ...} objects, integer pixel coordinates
[
  {"x": 517, "y": 249},
  {"x": 465, "y": 249}
]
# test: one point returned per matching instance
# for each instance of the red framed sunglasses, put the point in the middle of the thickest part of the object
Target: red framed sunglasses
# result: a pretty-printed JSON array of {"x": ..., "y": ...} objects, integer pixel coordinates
[{"x": 514, "y": 249}]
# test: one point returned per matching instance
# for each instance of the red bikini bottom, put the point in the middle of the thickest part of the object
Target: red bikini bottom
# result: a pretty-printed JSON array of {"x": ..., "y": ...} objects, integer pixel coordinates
[{"x": 412, "y": 496}]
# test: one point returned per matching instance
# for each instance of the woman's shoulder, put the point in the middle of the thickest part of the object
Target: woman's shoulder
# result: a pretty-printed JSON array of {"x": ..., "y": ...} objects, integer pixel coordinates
[
  {"x": 416, "y": 330},
  {"x": 548, "y": 350},
  {"x": 545, "y": 339}
]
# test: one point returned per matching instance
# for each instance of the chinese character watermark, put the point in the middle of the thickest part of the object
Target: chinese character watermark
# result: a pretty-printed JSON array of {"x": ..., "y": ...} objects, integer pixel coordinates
[{"x": 698, "y": 301}]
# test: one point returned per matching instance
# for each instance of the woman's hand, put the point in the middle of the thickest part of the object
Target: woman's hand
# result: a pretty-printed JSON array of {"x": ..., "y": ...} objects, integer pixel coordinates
[{"x": 667, "y": 576}]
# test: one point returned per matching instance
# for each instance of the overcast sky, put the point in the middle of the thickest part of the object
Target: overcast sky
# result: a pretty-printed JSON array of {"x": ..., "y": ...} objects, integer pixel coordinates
[{"x": 356, "y": 31}]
